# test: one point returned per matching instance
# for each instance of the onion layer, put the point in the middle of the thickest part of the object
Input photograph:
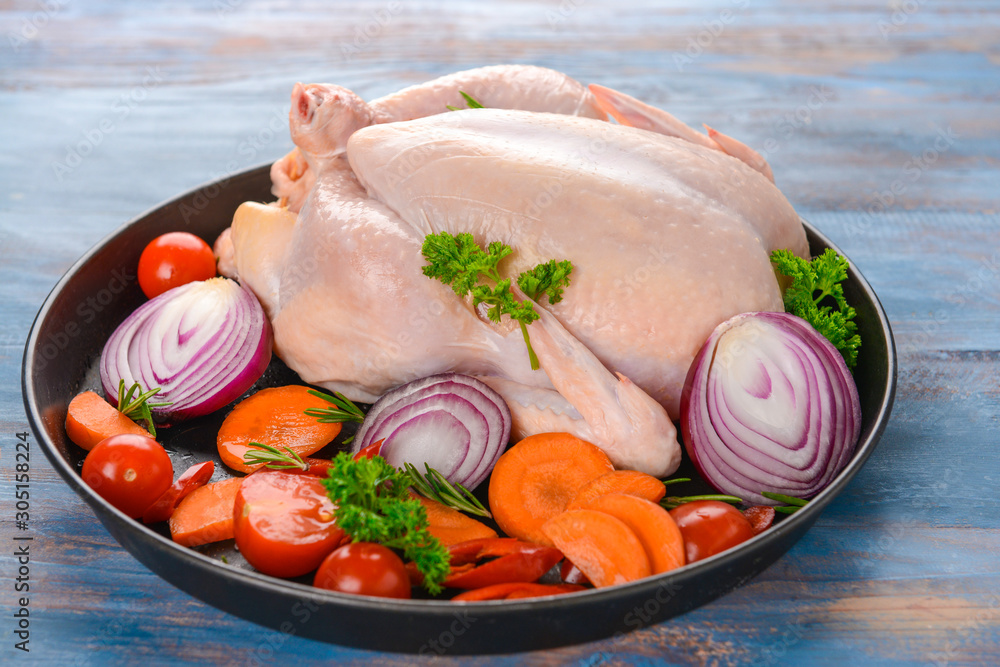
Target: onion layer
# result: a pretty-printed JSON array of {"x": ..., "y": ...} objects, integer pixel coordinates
[
  {"x": 452, "y": 422},
  {"x": 203, "y": 344},
  {"x": 769, "y": 405}
]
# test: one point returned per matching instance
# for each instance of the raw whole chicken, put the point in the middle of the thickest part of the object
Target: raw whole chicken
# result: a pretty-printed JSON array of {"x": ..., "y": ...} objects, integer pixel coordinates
[{"x": 668, "y": 235}]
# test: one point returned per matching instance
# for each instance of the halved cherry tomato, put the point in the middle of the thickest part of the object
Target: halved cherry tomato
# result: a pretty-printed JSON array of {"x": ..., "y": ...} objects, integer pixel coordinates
[
  {"x": 284, "y": 523},
  {"x": 710, "y": 527},
  {"x": 174, "y": 259},
  {"x": 515, "y": 590},
  {"x": 512, "y": 561},
  {"x": 195, "y": 476},
  {"x": 130, "y": 471},
  {"x": 364, "y": 568}
]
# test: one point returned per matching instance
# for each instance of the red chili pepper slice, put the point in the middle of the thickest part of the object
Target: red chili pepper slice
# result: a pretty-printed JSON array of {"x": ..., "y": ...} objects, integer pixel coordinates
[
  {"x": 761, "y": 517},
  {"x": 370, "y": 451},
  {"x": 571, "y": 574},
  {"x": 515, "y": 590},
  {"x": 195, "y": 476},
  {"x": 513, "y": 561}
]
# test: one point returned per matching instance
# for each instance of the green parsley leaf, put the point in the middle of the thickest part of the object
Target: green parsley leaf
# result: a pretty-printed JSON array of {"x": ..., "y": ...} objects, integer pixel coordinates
[
  {"x": 374, "y": 505},
  {"x": 814, "y": 283},
  {"x": 460, "y": 262}
]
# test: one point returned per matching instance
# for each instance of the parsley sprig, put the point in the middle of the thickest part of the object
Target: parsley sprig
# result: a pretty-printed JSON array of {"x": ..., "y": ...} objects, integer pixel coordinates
[
  {"x": 138, "y": 409},
  {"x": 813, "y": 283},
  {"x": 374, "y": 505},
  {"x": 460, "y": 262}
]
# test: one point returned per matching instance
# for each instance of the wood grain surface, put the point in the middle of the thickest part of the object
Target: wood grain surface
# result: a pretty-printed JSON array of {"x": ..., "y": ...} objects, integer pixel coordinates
[{"x": 879, "y": 120}]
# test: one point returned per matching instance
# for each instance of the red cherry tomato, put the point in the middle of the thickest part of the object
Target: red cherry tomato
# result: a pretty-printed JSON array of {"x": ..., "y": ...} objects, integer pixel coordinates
[
  {"x": 172, "y": 260},
  {"x": 710, "y": 527},
  {"x": 129, "y": 471},
  {"x": 364, "y": 568},
  {"x": 283, "y": 523}
]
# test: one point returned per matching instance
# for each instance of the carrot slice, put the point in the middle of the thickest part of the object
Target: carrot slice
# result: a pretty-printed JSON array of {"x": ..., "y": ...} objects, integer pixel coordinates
[
  {"x": 206, "y": 514},
  {"x": 90, "y": 419},
  {"x": 537, "y": 478},
  {"x": 275, "y": 417},
  {"x": 515, "y": 590},
  {"x": 451, "y": 526},
  {"x": 631, "y": 482},
  {"x": 602, "y": 546},
  {"x": 653, "y": 525}
]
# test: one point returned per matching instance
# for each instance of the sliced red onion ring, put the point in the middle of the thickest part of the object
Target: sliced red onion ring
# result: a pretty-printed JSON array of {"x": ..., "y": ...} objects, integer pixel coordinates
[
  {"x": 203, "y": 344},
  {"x": 452, "y": 422},
  {"x": 769, "y": 405}
]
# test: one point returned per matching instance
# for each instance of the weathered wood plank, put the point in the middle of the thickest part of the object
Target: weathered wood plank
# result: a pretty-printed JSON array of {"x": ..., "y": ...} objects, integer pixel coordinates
[{"x": 878, "y": 118}]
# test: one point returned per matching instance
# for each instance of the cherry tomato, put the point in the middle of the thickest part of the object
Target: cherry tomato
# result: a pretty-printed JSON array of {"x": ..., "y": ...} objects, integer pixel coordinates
[
  {"x": 174, "y": 259},
  {"x": 129, "y": 471},
  {"x": 283, "y": 523},
  {"x": 709, "y": 527},
  {"x": 364, "y": 568}
]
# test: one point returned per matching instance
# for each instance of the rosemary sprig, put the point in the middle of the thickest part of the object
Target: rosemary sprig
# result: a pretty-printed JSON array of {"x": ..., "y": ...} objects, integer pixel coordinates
[
  {"x": 670, "y": 502},
  {"x": 272, "y": 457},
  {"x": 343, "y": 410},
  {"x": 138, "y": 409},
  {"x": 469, "y": 100},
  {"x": 793, "y": 504},
  {"x": 435, "y": 486}
]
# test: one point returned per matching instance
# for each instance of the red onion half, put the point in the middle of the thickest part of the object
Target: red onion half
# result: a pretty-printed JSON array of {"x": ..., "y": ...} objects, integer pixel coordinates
[
  {"x": 769, "y": 405},
  {"x": 452, "y": 422},
  {"x": 203, "y": 344}
]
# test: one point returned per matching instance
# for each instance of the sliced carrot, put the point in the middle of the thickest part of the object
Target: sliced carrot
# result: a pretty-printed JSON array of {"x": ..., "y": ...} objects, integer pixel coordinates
[
  {"x": 653, "y": 525},
  {"x": 90, "y": 419},
  {"x": 632, "y": 482},
  {"x": 276, "y": 417},
  {"x": 515, "y": 590},
  {"x": 451, "y": 526},
  {"x": 602, "y": 546},
  {"x": 537, "y": 478},
  {"x": 206, "y": 514}
]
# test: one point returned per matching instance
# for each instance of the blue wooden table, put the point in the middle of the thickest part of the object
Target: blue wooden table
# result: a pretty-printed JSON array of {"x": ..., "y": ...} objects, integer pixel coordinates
[{"x": 879, "y": 119}]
